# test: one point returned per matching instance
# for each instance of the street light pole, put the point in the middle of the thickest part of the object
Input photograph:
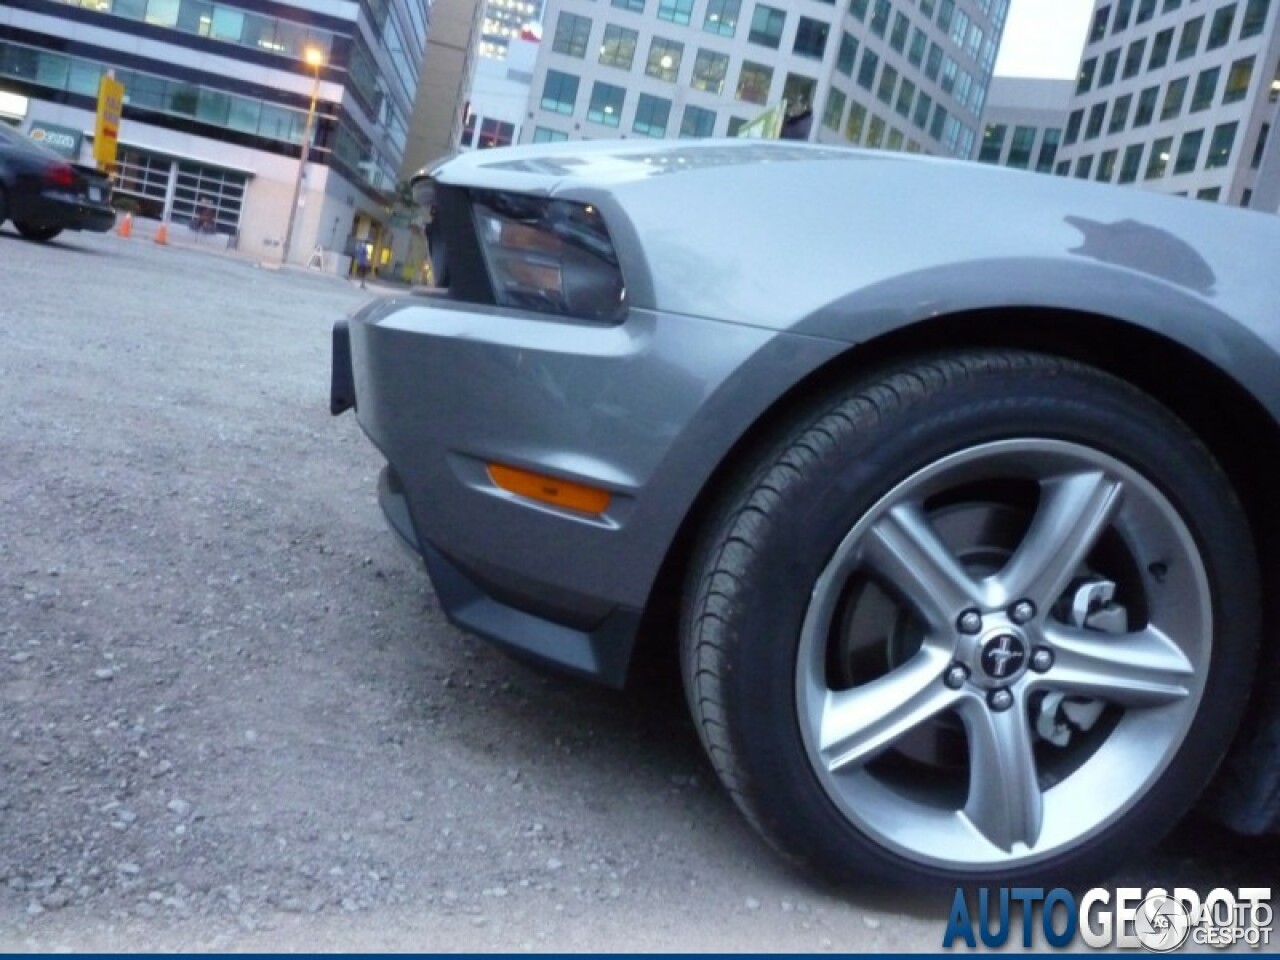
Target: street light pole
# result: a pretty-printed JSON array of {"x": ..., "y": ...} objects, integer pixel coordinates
[{"x": 315, "y": 59}]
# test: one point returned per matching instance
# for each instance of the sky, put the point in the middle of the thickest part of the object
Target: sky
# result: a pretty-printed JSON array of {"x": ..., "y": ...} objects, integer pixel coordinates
[{"x": 1043, "y": 38}]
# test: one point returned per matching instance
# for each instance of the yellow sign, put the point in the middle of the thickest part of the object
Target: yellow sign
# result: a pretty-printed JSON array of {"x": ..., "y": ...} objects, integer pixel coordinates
[{"x": 106, "y": 130}]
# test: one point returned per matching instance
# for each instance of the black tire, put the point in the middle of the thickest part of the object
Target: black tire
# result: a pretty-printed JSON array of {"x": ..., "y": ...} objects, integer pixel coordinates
[
  {"x": 799, "y": 602},
  {"x": 37, "y": 234}
]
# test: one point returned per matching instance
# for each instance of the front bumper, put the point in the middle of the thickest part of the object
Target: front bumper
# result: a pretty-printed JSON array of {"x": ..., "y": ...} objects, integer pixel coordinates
[{"x": 644, "y": 410}]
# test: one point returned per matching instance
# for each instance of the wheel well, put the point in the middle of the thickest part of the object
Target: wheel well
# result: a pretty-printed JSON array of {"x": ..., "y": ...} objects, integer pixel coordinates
[{"x": 1232, "y": 424}]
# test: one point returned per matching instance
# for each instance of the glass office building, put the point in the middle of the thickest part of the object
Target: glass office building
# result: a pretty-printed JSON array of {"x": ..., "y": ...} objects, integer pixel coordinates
[
  {"x": 217, "y": 97},
  {"x": 889, "y": 74}
]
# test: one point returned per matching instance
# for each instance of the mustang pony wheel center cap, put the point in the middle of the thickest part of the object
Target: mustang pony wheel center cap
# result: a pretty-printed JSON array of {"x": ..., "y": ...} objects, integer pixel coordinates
[{"x": 1003, "y": 656}]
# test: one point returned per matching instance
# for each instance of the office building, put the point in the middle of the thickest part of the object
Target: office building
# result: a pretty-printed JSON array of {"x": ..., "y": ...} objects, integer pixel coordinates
[
  {"x": 891, "y": 74},
  {"x": 1179, "y": 96},
  {"x": 1023, "y": 122},
  {"x": 218, "y": 103}
]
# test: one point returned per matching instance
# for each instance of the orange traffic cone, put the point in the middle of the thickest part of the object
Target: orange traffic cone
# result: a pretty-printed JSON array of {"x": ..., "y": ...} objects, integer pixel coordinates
[
  {"x": 162, "y": 234},
  {"x": 125, "y": 229}
]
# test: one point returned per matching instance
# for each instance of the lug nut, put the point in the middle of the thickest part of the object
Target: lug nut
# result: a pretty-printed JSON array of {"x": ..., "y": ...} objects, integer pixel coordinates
[
  {"x": 969, "y": 622},
  {"x": 1022, "y": 611},
  {"x": 955, "y": 676},
  {"x": 1041, "y": 659},
  {"x": 1000, "y": 700}
]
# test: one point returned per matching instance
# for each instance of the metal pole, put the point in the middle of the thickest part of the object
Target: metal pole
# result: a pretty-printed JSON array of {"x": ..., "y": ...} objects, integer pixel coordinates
[{"x": 302, "y": 166}]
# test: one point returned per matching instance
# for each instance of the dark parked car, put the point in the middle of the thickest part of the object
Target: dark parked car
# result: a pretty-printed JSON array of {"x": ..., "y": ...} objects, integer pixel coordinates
[
  {"x": 954, "y": 485},
  {"x": 43, "y": 194}
]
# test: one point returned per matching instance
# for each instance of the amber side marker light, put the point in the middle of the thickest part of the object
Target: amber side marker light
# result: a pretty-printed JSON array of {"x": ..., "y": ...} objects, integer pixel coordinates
[{"x": 544, "y": 489}]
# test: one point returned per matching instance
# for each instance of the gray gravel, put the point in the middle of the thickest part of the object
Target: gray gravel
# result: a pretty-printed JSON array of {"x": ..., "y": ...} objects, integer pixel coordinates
[{"x": 232, "y": 715}]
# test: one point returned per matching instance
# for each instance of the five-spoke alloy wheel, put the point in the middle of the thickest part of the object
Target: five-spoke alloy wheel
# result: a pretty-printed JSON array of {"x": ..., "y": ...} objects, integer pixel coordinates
[{"x": 987, "y": 616}]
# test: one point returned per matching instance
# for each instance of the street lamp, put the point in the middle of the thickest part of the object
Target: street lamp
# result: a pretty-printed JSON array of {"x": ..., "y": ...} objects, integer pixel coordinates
[{"x": 315, "y": 59}]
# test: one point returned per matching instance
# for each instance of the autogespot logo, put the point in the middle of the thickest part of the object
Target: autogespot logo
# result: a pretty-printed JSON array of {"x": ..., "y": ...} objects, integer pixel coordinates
[{"x": 1157, "y": 920}]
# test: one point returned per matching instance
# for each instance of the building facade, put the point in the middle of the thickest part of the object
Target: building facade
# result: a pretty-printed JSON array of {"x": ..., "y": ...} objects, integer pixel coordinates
[
  {"x": 1024, "y": 121},
  {"x": 1179, "y": 96},
  {"x": 891, "y": 74},
  {"x": 218, "y": 98}
]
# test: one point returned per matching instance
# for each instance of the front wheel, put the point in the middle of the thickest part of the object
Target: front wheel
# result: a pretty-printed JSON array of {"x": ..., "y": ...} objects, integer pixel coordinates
[
  {"x": 37, "y": 233},
  {"x": 990, "y": 617}
]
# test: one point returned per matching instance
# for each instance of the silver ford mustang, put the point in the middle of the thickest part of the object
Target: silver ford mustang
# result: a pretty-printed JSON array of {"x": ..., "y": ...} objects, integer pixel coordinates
[{"x": 953, "y": 485}]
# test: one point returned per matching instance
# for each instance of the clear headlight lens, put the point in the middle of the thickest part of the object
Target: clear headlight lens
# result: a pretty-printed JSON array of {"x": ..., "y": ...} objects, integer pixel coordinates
[{"x": 553, "y": 256}]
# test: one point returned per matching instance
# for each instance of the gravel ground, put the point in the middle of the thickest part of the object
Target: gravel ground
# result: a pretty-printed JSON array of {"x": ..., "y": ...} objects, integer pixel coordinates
[{"x": 232, "y": 715}]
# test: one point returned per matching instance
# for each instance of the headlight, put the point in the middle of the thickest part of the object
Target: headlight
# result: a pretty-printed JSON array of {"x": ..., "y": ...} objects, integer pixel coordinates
[{"x": 553, "y": 256}]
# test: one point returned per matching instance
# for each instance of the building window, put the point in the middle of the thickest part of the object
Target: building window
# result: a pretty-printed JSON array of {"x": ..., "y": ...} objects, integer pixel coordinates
[
  {"x": 722, "y": 17},
  {"x": 1074, "y": 122},
  {"x": 906, "y": 95},
  {"x": 992, "y": 143},
  {"x": 857, "y": 120},
  {"x": 1189, "y": 42},
  {"x": 1255, "y": 18},
  {"x": 1120, "y": 113},
  {"x": 1170, "y": 5},
  {"x": 606, "y": 104},
  {"x": 1123, "y": 9},
  {"x": 753, "y": 82},
  {"x": 1097, "y": 113},
  {"x": 1220, "y": 27},
  {"x": 664, "y": 59},
  {"x": 1158, "y": 162},
  {"x": 919, "y": 43},
  {"x": 766, "y": 26},
  {"x": 495, "y": 133},
  {"x": 619, "y": 47},
  {"x": 735, "y": 124},
  {"x": 709, "y": 71},
  {"x": 875, "y": 132},
  {"x": 1024, "y": 141},
  {"x": 811, "y": 38},
  {"x": 1260, "y": 148},
  {"x": 867, "y": 69},
  {"x": 1131, "y": 164},
  {"x": 635, "y": 6},
  {"x": 1209, "y": 193},
  {"x": 1107, "y": 165},
  {"x": 572, "y": 33},
  {"x": 847, "y": 54},
  {"x": 697, "y": 122},
  {"x": 652, "y": 114},
  {"x": 547, "y": 135},
  {"x": 1224, "y": 138},
  {"x": 834, "y": 111},
  {"x": 858, "y": 9},
  {"x": 924, "y": 103},
  {"x": 901, "y": 27},
  {"x": 1084, "y": 167},
  {"x": 1173, "y": 97},
  {"x": 1238, "y": 80},
  {"x": 1087, "y": 70},
  {"x": 1133, "y": 59},
  {"x": 1146, "y": 107},
  {"x": 798, "y": 90},
  {"x": 1110, "y": 63},
  {"x": 677, "y": 11},
  {"x": 888, "y": 82},
  {"x": 934, "y": 63},
  {"x": 880, "y": 18},
  {"x": 1146, "y": 10},
  {"x": 1099, "y": 28},
  {"x": 1188, "y": 151},
  {"x": 559, "y": 92},
  {"x": 1160, "y": 48},
  {"x": 1206, "y": 87},
  {"x": 1048, "y": 150},
  {"x": 938, "y": 122}
]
